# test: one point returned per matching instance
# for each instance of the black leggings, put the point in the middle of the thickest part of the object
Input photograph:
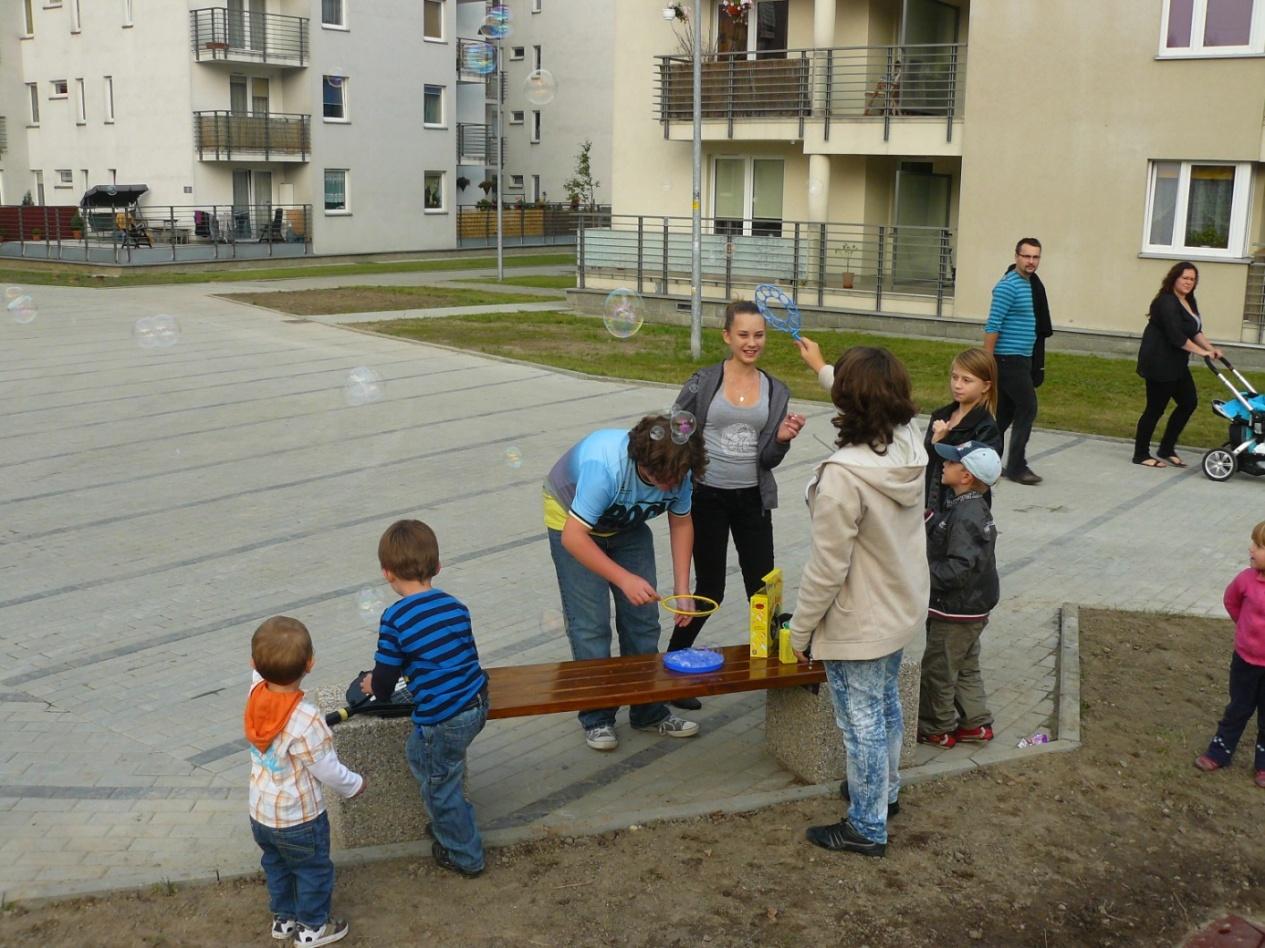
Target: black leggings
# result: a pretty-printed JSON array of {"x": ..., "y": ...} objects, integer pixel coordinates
[
  {"x": 717, "y": 513},
  {"x": 1158, "y": 394}
]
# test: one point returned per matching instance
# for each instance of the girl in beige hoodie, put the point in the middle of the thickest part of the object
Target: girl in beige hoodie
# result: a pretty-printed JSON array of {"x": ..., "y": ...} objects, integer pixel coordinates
[{"x": 864, "y": 590}]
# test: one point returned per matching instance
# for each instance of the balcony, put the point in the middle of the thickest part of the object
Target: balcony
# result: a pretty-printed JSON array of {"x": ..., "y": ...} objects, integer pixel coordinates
[
  {"x": 842, "y": 100},
  {"x": 476, "y": 145},
  {"x": 226, "y": 136},
  {"x": 226, "y": 36},
  {"x": 4, "y": 134}
]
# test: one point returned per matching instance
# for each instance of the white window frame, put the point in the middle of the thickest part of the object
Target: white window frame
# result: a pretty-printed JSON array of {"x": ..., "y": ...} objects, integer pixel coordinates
[
  {"x": 443, "y": 25},
  {"x": 1199, "y": 19},
  {"x": 127, "y": 14},
  {"x": 516, "y": 117},
  {"x": 537, "y": 58},
  {"x": 28, "y": 18},
  {"x": 345, "y": 118},
  {"x": 37, "y": 179},
  {"x": 109, "y": 100},
  {"x": 64, "y": 88},
  {"x": 1240, "y": 202},
  {"x": 443, "y": 192},
  {"x": 84, "y": 172},
  {"x": 81, "y": 102},
  {"x": 535, "y": 189},
  {"x": 427, "y": 89},
  {"x": 516, "y": 182},
  {"x": 33, "y": 95},
  {"x": 345, "y": 210},
  {"x": 76, "y": 17},
  {"x": 342, "y": 17},
  {"x": 748, "y": 188},
  {"x": 65, "y": 178},
  {"x": 535, "y": 6},
  {"x": 518, "y": 53},
  {"x": 535, "y": 126}
]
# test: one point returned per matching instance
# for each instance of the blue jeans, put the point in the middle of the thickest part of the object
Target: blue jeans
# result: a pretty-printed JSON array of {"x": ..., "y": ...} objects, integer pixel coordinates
[
  {"x": 298, "y": 869},
  {"x": 867, "y": 710},
  {"x": 437, "y": 756},
  {"x": 586, "y": 608}
]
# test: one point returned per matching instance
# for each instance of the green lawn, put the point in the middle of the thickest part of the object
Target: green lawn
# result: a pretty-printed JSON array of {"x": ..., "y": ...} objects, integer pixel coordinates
[
  {"x": 561, "y": 281},
  {"x": 369, "y": 299},
  {"x": 1082, "y": 393},
  {"x": 82, "y": 275}
]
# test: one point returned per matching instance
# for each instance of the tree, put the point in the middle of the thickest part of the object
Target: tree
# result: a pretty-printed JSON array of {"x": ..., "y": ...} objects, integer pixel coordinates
[{"x": 581, "y": 188}]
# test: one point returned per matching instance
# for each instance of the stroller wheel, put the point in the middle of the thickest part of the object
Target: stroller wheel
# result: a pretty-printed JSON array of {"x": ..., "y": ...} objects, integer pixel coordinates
[{"x": 1219, "y": 464}]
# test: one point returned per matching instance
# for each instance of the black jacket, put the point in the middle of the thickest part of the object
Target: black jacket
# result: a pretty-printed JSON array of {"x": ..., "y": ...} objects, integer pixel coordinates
[
  {"x": 962, "y": 556},
  {"x": 978, "y": 425},
  {"x": 1161, "y": 357},
  {"x": 1045, "y": 327}
]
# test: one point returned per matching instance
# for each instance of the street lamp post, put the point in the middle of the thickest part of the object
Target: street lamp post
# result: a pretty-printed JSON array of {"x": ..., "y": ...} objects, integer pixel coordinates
[
  {"x": 696, "y": 222},
  {"x": 500, "y": 185}
]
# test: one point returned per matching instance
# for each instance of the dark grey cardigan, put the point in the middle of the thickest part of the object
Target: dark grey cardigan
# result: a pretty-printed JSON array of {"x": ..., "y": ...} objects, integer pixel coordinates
[{"x": 696, "y": 397}]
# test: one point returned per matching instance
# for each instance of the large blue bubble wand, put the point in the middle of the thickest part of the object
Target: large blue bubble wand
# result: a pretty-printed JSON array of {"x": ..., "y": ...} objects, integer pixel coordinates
[{"x": 766, "y": 297}]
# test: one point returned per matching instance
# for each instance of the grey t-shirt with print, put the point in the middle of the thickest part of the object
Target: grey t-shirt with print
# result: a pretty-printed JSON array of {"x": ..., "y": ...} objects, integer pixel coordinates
[{"x": 732, "y": 438}]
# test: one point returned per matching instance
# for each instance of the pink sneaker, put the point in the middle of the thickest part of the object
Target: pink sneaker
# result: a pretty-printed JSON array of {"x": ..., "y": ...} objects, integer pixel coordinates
[
  {"x": 1206, "y": 763},
  {"x": 940, "y": 740}
]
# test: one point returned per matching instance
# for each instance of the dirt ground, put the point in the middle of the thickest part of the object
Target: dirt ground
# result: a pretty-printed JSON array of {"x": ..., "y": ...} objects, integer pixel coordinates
[
  {"x": 1122, "y": 842},
  {"x": 369, "y": 299}
]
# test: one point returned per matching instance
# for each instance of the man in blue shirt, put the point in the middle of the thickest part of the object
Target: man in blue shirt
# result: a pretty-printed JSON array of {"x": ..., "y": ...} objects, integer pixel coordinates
[{"x": 1010, "y": 335}]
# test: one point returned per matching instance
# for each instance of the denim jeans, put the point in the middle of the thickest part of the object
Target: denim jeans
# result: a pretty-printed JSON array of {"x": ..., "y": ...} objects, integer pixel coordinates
[
  {"x": 867, "y": 710},
  {"x": 437, "y": 756},
  {"x": 586, "y": 608},
  {"x": 298, "y": 869}
]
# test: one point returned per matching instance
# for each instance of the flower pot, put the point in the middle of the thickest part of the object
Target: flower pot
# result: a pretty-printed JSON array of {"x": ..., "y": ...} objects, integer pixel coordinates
[
  {"x": 76, "y": 234},
  {"x": 848, "y": 280}
]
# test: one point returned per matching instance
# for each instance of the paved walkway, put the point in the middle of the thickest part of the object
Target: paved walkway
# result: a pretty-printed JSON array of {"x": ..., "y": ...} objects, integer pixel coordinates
[{"x": 155, "y": 504}]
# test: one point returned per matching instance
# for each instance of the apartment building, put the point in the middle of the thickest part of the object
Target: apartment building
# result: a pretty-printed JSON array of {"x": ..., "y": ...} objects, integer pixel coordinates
[{"x": 885, "y": 155}]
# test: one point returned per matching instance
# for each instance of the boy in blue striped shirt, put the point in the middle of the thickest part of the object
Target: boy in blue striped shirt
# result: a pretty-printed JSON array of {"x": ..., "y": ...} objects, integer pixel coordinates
[{"x": 427, "y": 637}]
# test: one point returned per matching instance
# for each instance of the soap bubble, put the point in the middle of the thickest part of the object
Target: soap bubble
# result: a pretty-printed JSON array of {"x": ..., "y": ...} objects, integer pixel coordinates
[
  {"x": 815, "y": 186},
  {"x": 479, "y": 58},
  {"x": 370, "y": 602},
  {"x": 621, "y": 313},
  {"x": 20, "y": 304},
  {"x": 666, "y": 184},
  {"x": 362, "y": 387},
  {"x": 156, "y": 332},
  {"x": 336, "y": 77},
  {"x": 552, "y": 622},
  {"x": 540, "y": 87},
  {"x": 683, "y": 424},
  {"x": 497, "y": 23},
  {"x": 514, "y": 457},
  {"x": 657, "y": 433}
]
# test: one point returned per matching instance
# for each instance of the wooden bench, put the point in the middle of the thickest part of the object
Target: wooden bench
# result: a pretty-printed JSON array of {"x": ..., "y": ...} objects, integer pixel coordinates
[{"x": 800, "y": 728}]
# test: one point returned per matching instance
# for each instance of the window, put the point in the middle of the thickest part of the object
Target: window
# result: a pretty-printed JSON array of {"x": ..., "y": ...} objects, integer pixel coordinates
[
  {"x": 433, "y": 182},
  {"x": 28, "y": 19},
  {"x": 433, "y": 19},
  {"x": 76, "y": 19},
  {"x": 1197, "y": 209},
  {"x": 517, "y": 52},
  {"x": 535, "y": 6},
  {"x": 127, "y": 13},
  {"x": 334, "y": 97},
  {"x": 33, "y": 91},
  {"x": 333, "y": 14},
  {"x": 109, "y": 99},
  {"x": 535, "y": 57},
  {"x": 114, "y": 175},
  {"x": 1212, "y": 27},
  {"x": 764, "y": 28},
  {"x": 59, "y": 89},
  {"x": 38, "y": 177},
  {"x": 336, "y": 191},
  {"x": 65, "y": 178},
  {"x": 81, "y": 101},
  {"x": 84, "y": 176},
  {"x": 747, "y": 195},
  {"x": 516, "y": 118},
  {"x": 535, "y": 126},
  {"x": 535, "y": 184},
  {"x": 433, "y": 106},
  {"x": 516, "y": 181}
]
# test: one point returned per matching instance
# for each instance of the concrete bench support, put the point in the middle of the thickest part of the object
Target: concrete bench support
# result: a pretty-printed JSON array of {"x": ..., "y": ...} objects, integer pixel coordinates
[{"x": 801, "y": 733}]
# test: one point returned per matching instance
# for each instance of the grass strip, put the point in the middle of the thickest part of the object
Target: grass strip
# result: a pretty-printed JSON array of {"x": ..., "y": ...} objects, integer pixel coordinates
[
  {"x": 369, "y": 299},
  {"x": 560, "y": 281}
]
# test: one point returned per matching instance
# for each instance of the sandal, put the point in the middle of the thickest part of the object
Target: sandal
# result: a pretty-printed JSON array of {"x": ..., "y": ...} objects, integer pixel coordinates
[
  {"x": 1152, "y": 462},
  {"x": 1174, "y": 460}
]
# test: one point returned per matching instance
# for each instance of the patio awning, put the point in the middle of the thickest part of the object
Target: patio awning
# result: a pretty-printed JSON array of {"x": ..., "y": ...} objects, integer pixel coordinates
[{"x": 112, "y": 195}]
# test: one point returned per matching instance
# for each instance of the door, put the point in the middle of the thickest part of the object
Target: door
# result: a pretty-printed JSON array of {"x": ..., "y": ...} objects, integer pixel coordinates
[
  {"x": 259, "y": 97},
  {"x": 258, "y": 25},
  {"x": 241, "y": 204},
  {"x": 922, "y": 212},
  {"x": 763, "y": 33},
  {"x": 237, "y": 95},
  {"x": 729, "y": 183},
  {"x": 929, "y": 30},
  {"x": 747, "y": 195},
  {"x": 236, "y": 24},
  {"x": 262, "y": 181}
]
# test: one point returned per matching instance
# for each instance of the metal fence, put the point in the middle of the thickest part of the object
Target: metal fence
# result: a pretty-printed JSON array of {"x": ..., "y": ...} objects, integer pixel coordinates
[
  {"x": 157, "y": 233},
  {"x": 229, "y": 136},
  {"x": 1254, "y": 303},
  {"x": 526, "y": 224},
  {"x": 807, "y": 259},
  {"x": 821, "y": 85},
  {"x": 476, "y": 145},
  {"x": 239, "y": 36}
]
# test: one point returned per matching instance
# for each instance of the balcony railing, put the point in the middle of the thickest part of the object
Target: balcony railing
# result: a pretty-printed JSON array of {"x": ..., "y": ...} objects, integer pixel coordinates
[
  {"x": 877, "y": 82},
  {"x": 807, "y": 259},
  {"x": 227, "y": 136},
  {"x": 221, "y": 35},
  {"x": 525, "y": 224},
  {"x": 476, "y": 145},
  {"x": 4, "y": 134}
]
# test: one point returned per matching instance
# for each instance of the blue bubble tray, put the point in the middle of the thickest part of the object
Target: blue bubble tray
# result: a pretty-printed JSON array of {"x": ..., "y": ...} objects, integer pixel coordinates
[{"x": 693, "y": 660}]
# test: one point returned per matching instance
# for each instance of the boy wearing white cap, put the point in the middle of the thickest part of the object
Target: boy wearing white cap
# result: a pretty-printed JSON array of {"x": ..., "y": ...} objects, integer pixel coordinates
[{"x": 961, "y": 554}]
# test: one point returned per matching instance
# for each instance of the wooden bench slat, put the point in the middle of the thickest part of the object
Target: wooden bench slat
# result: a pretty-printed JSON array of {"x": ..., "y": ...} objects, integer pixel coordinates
[{"x": 516, "y": 691}]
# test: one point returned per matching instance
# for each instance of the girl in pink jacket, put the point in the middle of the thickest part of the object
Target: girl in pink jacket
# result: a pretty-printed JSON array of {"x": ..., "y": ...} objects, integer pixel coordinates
[{"x": 1245, "y": 601}]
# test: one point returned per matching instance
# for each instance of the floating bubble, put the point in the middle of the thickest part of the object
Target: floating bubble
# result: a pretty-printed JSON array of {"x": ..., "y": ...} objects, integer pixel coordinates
[
  {"x": 156, "y": 332},
  {"x": 336, "y": 77},
  {"x": 683, "y": 425},
  {"x": 540, "y": 87},
  {"x": 514, "y": 457},
  {"x": 815, "y": 186},
  {"x": 497, "y": 23},
  {"x": 20, "y": 304},
  {"x": 479, "y": 58},
  {"x": 370, "y": 602},
  {"x": 666, "y": 184},
  {"x": 362, "y": 387},
  {"x": 657, "y": 433},
  {"x": 621, "y": 313},
  {"x": 552, "y": 622},
  {"x": 111, "y": 189}
]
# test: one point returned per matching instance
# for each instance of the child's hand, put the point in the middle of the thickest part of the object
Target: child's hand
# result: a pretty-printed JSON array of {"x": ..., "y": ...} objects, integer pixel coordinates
[
  {"x": 637, "y": 591},
  {"x": 364, "y": 782},
  {"x": 790, "y": 427},
  {"x": 366, "y": 684},
  {"x": 810, "y": 352},
  {"x": 939, "y": 429}
]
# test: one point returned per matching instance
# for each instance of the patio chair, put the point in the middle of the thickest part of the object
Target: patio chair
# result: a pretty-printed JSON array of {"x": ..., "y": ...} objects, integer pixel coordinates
[{"x": 271, "y": 232}]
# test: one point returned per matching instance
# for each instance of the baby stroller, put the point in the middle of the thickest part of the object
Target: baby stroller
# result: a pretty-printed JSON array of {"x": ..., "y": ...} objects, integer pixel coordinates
[{"x": 1245, "y": 449}]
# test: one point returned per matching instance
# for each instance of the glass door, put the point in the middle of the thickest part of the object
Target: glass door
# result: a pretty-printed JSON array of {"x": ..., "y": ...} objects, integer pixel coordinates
[
  {"x": 241, "y": 204},
  {"x": 236, "y": 24},
  {"x": 237, "y": 95},
  {"x": 764, "y": 32},
  {"x": 258, "y": 25},
  {"x": 766, "y": 196},
  {"x": 922, "y": 211},
  {"x": 259, "y": 97},
  {"x": 929, "y": 29},
  {"x": 747, "y": 195},
  {"x": 262, "y": 182},
  {"x": 729, "y": 194}
]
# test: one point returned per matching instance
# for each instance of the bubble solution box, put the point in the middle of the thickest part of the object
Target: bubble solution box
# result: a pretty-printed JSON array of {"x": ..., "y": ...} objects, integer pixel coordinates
[{"x": 765, "y": 605}]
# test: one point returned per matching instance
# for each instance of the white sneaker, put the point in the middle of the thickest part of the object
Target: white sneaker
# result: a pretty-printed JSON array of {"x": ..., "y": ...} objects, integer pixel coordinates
[
  {"x": 282, "y": 928},
  {"x": 601, "y": 738},
  {"x": 672, "y": 726},
  {"x": 333, "y": 930}
]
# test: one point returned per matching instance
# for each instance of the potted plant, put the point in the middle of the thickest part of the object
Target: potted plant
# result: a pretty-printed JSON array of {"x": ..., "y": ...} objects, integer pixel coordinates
[
  {"x": 462, "y": 183},
  {"x": 76, "y": 227},
  {"x": 37, "y": 233},
  {"x": 847, "y": 251}
]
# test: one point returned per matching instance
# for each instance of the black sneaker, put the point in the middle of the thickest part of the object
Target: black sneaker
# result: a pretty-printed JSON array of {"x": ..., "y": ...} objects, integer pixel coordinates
[
  {"x": 1026, "y": 476},
  {"x": 445, "y": 861},
  {"x": 892, "y": 808},
  {"x": 688, "y": 704},
  {"x": 841, "y": 837}
]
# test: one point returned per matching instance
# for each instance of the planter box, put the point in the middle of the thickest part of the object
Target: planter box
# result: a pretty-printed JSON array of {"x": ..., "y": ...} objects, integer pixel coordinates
[{"x": 744, "y": 88}]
